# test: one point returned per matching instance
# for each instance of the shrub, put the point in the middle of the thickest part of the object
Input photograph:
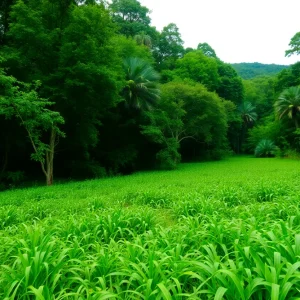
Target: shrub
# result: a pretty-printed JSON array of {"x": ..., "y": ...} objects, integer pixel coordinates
[{"x": 265, "y": 148}]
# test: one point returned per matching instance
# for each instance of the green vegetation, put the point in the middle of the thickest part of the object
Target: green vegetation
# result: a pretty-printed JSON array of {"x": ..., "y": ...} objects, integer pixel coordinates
[
  {"x": 217, "y": 230},
  {"x": 107, "y": 74},
  {"x": 265, "y": 148},
  {"x": 251, "y": 70},
  {"x": 89, "y": 89}
]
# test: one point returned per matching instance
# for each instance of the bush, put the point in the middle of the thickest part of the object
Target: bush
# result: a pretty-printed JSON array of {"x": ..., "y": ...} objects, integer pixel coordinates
[
  {"x": 168, "y": 159},
  {"x": 265, "y": 148}
]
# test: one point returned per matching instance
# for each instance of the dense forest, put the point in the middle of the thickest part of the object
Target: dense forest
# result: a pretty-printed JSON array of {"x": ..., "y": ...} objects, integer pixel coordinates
[
  {"x": 251, "y": 70},
  {"x": 91, "y": 89}
]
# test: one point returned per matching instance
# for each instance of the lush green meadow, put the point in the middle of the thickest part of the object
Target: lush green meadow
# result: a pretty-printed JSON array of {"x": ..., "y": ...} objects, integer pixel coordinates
[{"x": 216, "y": 230}]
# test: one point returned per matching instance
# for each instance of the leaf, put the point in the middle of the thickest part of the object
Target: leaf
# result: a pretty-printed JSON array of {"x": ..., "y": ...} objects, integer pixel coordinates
[
  {"x": 165, "y": 292},
  {"x": 275, "y": 291},
  {"x": 220, "y": 293}
]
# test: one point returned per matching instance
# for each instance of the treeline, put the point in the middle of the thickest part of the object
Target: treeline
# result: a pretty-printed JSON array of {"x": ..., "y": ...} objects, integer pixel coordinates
[
  {"x": 251, "y": 70},
  {"x": 91, "y": 89},
  {"x": 277, "y": 105}
]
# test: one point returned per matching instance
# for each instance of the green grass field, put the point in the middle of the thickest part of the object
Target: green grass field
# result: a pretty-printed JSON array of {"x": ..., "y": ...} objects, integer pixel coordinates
[{"x": 218, "y": 230}]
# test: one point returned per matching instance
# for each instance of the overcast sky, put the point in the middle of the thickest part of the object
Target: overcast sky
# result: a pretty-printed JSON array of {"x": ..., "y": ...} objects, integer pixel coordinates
[{"x": 238, "y": 30}]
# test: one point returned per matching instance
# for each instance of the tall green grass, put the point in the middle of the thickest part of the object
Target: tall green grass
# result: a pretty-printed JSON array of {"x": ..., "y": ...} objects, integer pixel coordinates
[{"x": 218, "y": 230}]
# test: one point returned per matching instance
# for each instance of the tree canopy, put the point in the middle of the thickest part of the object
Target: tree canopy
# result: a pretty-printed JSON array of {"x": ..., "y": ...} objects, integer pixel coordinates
[{"x": 90, "y": 88}]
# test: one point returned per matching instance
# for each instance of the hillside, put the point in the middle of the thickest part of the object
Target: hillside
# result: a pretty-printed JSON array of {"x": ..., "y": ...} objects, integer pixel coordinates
[{"x": 250, "y": 70}]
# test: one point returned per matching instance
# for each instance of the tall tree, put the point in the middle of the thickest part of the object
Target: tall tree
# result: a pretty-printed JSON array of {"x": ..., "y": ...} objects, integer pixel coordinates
[
  {"x": 288, "y": 105},
  {"x": 294, "y": 45},
  {"x": 131, "y": 17},
  {"x": 207, "y": 50},
  {"x": 169, "y": 47},
  {"x": 23, "y": 103},
  {"x": 248, "y": 114},
  {"x": 69, "y": 49}
]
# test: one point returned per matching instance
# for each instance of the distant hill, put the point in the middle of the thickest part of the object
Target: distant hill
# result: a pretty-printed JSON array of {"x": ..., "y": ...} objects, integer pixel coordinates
[{"x": 250, "y": 70}]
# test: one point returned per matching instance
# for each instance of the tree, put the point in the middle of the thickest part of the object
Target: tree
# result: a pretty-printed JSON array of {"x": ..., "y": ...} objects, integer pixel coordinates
[
  {"x": 141, "y": 89},
  {"x": 230, "y": 84},
  {"x": 20, "y": 101},
  {"x": 287, "y": 78},
  {"x": 260, "y": 92},
  {"x": 249, "y": 116},
  {"x": 186, "y": 111},
  {"x": 169, "y": 47},
  {"x": 288, "y": 105},
  {"x": 70, "y": 49},
  {"x": 207, "y": 50},
  {"x": 248, "y": 113},
  {"x": 294, "y": 45},
  {"x": 131, "y": 17},
  {"x": 200, "y": 68}
]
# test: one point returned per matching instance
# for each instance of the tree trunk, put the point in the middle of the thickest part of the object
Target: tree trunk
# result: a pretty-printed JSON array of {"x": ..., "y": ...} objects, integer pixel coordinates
[{"x": 50, "y": 158}]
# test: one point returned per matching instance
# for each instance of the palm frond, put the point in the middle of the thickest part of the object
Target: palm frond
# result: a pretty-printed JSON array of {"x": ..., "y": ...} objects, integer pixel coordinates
[{"x": 141, "y": 90}]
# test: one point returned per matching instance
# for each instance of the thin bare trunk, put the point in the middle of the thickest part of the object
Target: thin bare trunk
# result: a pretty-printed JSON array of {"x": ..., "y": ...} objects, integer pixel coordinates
[{"x": 50, "y": 158}]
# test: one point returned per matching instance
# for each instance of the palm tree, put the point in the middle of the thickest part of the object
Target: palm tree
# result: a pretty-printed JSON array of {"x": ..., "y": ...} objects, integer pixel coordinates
[
  {"x": 249, "y": 116},
  {"x": 288, "y": 104},
  {"x": 141, "y": 90}
]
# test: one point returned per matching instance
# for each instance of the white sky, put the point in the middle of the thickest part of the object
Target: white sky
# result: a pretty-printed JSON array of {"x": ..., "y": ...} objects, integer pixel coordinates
[{"x": 238, "y": 30}]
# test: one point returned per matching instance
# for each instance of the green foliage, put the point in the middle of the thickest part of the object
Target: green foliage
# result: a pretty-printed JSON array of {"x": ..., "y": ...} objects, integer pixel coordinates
[
  {"x": 251, "y": 70},
  {"x": 141, "y": 89},
  {"x": 71, "y": 49},
  {"x": 186, "y": 112},
  {"x": 21, "y": 101},
  {"x": 270, "y": 130},
  {"x": 94, "y": 64},
  {"x": 294, "y": 45},
  {"x": 169, "y": 157},
  {"x": 230, "y": 86},
  {"x": 200, "y": 68},
  {"x": 260, "y": 91},
  {"x": 131, "y": 17},
  {"x": 247, "y": 112},
  {"x": 128, "y": 47},
  {"x": 207, "y": 50},
  {"x": 265, "y": 148},
  {"x": 288, "y": 77},
  {"x": 169, "y": 47},
  {"x": 218, "y": 230},
  {"x": 33, "y": 115},
  {"x": 288, "y": 105}
]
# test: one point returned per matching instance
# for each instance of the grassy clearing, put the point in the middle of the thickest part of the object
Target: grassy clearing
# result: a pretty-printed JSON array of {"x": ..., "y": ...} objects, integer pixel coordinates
[{"x": 218, "y": 230}]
